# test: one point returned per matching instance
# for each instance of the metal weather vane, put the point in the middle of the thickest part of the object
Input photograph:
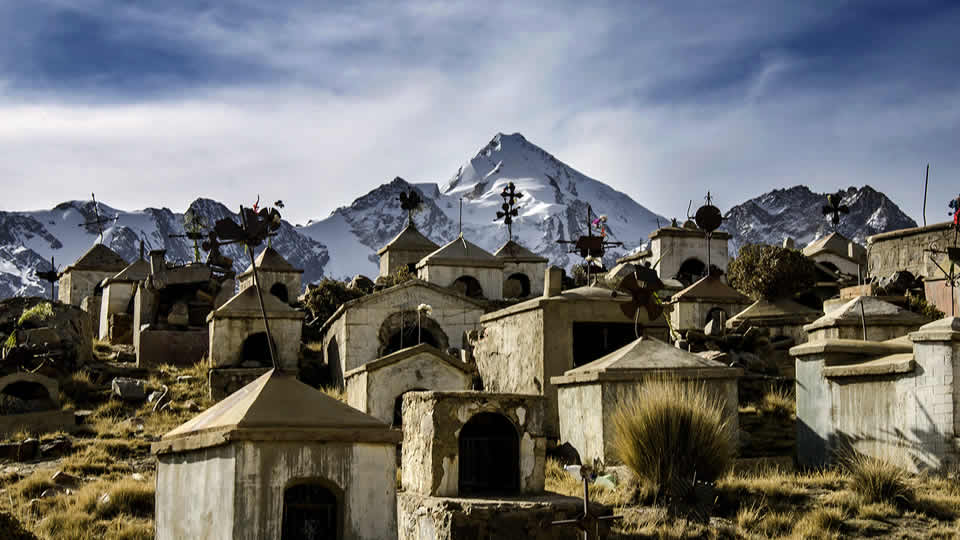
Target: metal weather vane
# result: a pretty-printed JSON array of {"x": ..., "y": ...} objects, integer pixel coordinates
[
  {"x": 194, "y": 227},
  {"x": 708, "y": 219},
  {"x": 99, "y": 220},
  {"x": 411, "y": 202},
  {"x": 51, "y": 276},
  {"x": 835, "y": 207},
  {"x": 952, "y": 253},
  {"x": 509, "y": 207},
  {"x": 590, "y": 246}
]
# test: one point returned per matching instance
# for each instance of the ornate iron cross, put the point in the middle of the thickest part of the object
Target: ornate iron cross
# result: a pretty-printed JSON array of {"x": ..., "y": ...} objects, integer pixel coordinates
[
  {"x": 952, "y": 253},
  {"x": 51, "y": 276},
  {"x": 411, "y": 202},
  {"x": 193, "y": 226},
  {"x": 509, "y": 207},
  {"x": 98, "y": 221},
  {"x": 834, "y": 208},
  {"x": 588, "y": 522}
]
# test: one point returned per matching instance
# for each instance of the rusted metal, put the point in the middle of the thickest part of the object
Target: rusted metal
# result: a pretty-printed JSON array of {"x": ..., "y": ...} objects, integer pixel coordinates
[
  {"x": 51, "y": 276},
  {"x": 588, "y": 522}
]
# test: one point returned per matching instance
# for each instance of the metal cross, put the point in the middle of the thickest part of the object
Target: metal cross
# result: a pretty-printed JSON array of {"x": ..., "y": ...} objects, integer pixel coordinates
[
  {"x": 509, "y": 207},
  {"x": 193, "y": 226},
  {"x": 99, "y": 221},
  {"x": 411, "y": 202},
  {"x": 588, "y": 522},
  {"x": 52, "y": 276},
  {"x": 835, "y": 207}
]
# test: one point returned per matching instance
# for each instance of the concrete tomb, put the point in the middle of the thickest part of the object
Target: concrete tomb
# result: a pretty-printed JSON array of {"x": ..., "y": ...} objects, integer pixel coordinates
[
  {"x": 238, "y": 340},
  {"x": 277, "y": 459},
  {"x": 589, "y": 395},
  {"x": 377, "y": 388},
  {"x": 31, "y": 402},
  {"x": 523, "y": 270},
  {"x": 881, "y": 320},
  {"x": 782, "y": 317},
  {"x": 386, "y": 321},
  {"x": 708, "y": 299},
  {"x": 82, "y": 278},
  {"x": 116, "y": 305},
  {"x": 837, "y": 253},
  {"x": 521, "y": 347},
  {"x": 681, "y": 253},
  {"x": 898, "y": 400},
  {"x": 277, "y": 276},
  {"x": 465, "y": 267},
  {"x": 405, "y": 251}
]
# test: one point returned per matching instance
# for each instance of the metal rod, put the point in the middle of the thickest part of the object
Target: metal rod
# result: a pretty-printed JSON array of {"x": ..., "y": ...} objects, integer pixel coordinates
[
  {"x": 461, "y": 215},
  {"x": 925, "y": 182},
  {"x": 863, "y": 321},
  {"x": 256, "y": 284}
]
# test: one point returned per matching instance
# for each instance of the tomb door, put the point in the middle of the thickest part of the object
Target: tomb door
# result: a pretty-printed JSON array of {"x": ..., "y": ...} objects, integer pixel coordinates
[
  {"x": 489, "y": 456},
  {"x": 310, "y": 512}
]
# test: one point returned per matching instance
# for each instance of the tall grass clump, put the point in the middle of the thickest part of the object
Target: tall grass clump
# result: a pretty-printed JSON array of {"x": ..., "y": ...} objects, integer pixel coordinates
[
  {"x": 778, "y": 403},
  {"x": 671, "y": 432},
  {"x": 878, "y": 481}
]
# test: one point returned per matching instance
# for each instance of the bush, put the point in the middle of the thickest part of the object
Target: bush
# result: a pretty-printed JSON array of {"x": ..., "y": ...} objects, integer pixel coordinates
[
  {"x": 671, "y": 431},
  {"x": 324, "y": 299},
  {"x": 36, "y": 315},
  {"x": 918, "y": 304},
  {"x": 770, "y": 272},
  {"x": 878, "y": 481},
  {"x": 778, "y": 403}
]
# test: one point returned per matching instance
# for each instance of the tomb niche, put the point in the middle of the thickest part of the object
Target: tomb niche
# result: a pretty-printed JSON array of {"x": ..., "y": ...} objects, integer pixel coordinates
[
  {"x": 404, "y": 251},
  {"x": 277, "y": 459},
  {"x": 29, "y": 401},
  {"x": 523, "y": 270},
  {"x": 473, "y": 466},
  {"x": 707, "y": 299},
  {"x": 239, "y": 348},
  {"x": 681, "y": 253},
  {"x": 465, "y": 267},
  {"x": 276, "y": 276}
]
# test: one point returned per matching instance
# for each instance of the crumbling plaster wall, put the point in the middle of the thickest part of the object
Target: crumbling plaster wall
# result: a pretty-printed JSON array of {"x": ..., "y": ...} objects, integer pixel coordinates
[
  {"x": 888, "y": 253},
  {"x": 432, "y": 423},
  {"x": 206, "y": 512},
  {"x": 490, "y": 279},
  {"x": 228, "y": 334}
]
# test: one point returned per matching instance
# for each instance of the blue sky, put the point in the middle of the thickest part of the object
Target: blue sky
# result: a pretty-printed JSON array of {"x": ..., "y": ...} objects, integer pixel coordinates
[{"x": 153, "y": 103}]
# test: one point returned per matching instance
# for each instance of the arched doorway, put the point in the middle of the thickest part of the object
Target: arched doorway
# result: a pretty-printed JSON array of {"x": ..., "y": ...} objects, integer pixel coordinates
[
  {"x": 468, "y": 286},
  {"x": 489, "y": 459},
  {"x": 400, "y": 331},
  {"x": 691, "y": 270},
  {"x": 332, "y": 359},
  {"x": 256, "y": 348},
  {"x": 516, "y": 286},
  {"x": 398, "y": 406},
  {"x": 311, "y": 511},
  {"x": 24, "y": 397},
  {"x": 280, "y": 291}
]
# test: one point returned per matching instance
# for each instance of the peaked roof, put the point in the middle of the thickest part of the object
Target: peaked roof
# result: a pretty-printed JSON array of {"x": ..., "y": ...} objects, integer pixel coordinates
[
  {"x": 270, "y": 260},
  {"x": 246, "y": 304},
  {"x": 837, "y": 244},
  {"x": 461, "y": 252},
  {"x": 783, "y": 308},
  {"x": 409, "y": 352},
  {"x": 99, "y": 257},
  {"x": 409, "y": 239},
  {"x": 643, "y": 357},
  {"x": 874, "y": 311},
  {"x": 512, "y": 251},
  {"x": 711, "y": 288},
  {"x": 276, "y": 407}
]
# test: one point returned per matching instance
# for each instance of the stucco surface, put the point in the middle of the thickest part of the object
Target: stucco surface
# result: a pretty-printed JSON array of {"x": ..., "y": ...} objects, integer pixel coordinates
[
  {"x": 183, "y": 510},
  {"x": 228, "y": 335}
]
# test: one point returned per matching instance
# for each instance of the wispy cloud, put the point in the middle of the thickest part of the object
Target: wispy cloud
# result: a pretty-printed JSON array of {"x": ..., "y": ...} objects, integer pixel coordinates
[{"x": 158, "y": 103}]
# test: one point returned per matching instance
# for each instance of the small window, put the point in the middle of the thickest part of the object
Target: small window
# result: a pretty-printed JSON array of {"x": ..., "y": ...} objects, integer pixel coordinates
[
  {"x": 468, "y": 286},
  {"x": 280, "y": 291}
]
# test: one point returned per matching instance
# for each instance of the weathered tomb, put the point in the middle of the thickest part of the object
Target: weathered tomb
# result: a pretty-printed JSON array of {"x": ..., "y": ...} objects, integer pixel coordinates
[
  {"x": 276, "y": 276},
  {"x": 519, "y": 348},
  {"x": 474, "y": 466},
  {"x": 906, "y": 249},
  {"x": 589, "y": 395},
  {"x": 782, "y": 317},
  {"x": 708, "y": 299},
  {"x": 897, "y": 400},
  {"x": 63, "y": 334},
  {"x": 31, "y": 402},
  {"x": 523, "y": 270},
  {"x": 881, "y": 320},
  {"x": 377, "y": 388},
  {"x": 170, "y": 311},
  {"x": 386, "y": 321},
  {"x": 239, "y": 350},
  {"x": 465, "y": 267},
  {"x": 405, "y": 251},
  {"x": 836, "y": 252},
  {"x": 82, "y": 278},
  {"x": 681, "y": 253},
  {"x": 116, "y": 305},
  {"x": 277, "y": 459}
]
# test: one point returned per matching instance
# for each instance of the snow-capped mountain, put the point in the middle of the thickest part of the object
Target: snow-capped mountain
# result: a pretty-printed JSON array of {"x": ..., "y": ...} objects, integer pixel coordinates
[
  {"x": 796, "y": 213},
  {"x": 553, "y": 207},
  {"x": 29, "y": 239}
]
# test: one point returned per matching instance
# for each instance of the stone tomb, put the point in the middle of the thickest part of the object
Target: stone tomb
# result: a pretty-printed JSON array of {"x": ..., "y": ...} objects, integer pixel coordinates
[
  {"x": 521, "y": 347},
  {"x": 82, "y": 278},
  {"x": 277, "y": 459},
  {"x": 681, "y": 253},
  {"x": 882, "y": 321},
  {"x": 898, "y": 400},
  {"x": 707, "y": 299},
  {"x": 386, "y": 321},
  {"x": 523, "y": 270},
  {"x": 276, "y": 276},
  {"x": 405, "y": 251},
  {"x": 239, "y": 349},
  {"x": 589, "y": 396},
  {"x": 473, "y": 467},
  {"x": 31, "y": 402},
  {"x": 782, "y": 317},
  {"x": 116, "y": 305},
  {"x": 836, "y": 252},
  {"x": 377, "y": 387},
  {"x": 464, "y": 267}
]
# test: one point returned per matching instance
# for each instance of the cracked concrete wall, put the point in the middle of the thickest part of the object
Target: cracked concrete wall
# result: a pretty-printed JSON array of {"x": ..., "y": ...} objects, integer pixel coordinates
[{"x": 887, "y": 254}]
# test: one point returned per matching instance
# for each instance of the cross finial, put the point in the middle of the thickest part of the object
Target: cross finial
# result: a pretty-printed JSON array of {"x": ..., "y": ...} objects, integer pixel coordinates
[
  {"x": 411, "y": 202},
  {"x": 509, "y": 207}
]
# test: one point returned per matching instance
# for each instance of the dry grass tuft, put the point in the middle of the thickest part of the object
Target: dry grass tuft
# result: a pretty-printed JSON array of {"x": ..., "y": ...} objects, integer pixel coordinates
[
  {"x": 336, "y": 393},
  {"x": 876, "y": 480},
  {"x": 878, "y": 511},
  {"x": 671, "y": 430},
  {"x": 779, "y": 403},
  {"x": 823, "y": 522},
  {"x": 748, "y": 517}
]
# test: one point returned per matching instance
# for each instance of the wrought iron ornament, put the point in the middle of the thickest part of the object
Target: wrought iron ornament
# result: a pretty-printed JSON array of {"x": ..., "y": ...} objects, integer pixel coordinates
[
  {"x": 509, "y": 207},
  {"x": 588, "y": 522},
  {"x": 411, "y": 202},
  {"x": 51, "y": 276},
  {"x": 835, "y": 207},
  {"x": 708, "y": 219},
  {"x": 99, "y": 220},
  {"x": 952, "y": 253},
  {"x": 194, "y": 228}
]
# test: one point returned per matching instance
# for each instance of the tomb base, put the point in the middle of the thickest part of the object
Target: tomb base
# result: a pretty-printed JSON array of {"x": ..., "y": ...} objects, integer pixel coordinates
[
  {"x": 421, "y": 517},
  {"x": 176, "y": 347},
  {"x": 38, "y": 422},
  {"x": 225, "y": 381}
]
